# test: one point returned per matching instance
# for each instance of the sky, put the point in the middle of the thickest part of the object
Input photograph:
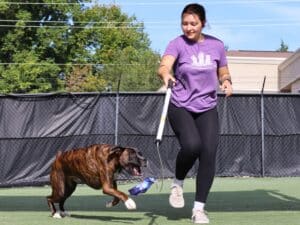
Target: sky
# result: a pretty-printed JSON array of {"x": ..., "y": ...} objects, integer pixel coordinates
[{"x": 258, "y": 25}]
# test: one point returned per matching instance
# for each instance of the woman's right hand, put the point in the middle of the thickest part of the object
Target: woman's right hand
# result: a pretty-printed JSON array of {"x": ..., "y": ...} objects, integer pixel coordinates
[{"x": 169, "y": 79}]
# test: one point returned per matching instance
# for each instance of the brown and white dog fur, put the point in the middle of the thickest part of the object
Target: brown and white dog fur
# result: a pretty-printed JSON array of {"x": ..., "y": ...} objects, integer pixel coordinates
[{"x": 95, "y": 166}]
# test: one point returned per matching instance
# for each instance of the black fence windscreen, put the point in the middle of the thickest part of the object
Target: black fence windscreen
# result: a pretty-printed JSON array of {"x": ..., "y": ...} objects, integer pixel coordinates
[{"x": 34, "y": 127}]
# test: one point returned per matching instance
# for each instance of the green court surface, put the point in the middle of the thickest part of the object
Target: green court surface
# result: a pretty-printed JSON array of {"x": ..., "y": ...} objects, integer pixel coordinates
[{"x": 232, "y": 201}]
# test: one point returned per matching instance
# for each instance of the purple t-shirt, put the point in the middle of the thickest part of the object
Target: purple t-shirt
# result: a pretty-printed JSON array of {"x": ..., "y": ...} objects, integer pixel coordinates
[{"x": 195, "y": 70}]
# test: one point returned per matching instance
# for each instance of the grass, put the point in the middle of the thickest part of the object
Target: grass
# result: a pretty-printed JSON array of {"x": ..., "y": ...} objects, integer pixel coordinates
[{"x": 232, "y": 201}]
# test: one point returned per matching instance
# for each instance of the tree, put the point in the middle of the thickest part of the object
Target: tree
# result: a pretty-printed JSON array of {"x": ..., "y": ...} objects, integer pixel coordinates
[
  {"x": 73, "y": 46},
  {"x": 82, "y": 78},
  {"x": 283, "y": 47},
  {"x": 135, "y": 69}
]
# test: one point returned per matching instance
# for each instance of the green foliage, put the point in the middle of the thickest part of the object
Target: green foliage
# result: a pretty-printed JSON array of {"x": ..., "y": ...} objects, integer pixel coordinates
[
  {"x": 42, "y": 46},
  {"x": 82, "y": 78},
  {"x": 135, "y": 69},
  {"x": 283, "y": 47},
  {"x": 25, "y": 75}
]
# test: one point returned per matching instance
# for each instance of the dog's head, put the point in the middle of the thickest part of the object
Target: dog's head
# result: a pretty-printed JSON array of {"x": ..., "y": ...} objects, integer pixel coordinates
[{"x": 130, "y": 159}]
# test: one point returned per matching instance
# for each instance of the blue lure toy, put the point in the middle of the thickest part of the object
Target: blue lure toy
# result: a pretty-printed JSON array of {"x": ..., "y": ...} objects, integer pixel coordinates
[{"x": 142, "y": 187}]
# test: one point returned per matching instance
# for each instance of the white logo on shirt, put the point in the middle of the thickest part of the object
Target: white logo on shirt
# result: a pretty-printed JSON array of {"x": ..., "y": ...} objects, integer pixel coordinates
[{"x": 202, "y": 60}]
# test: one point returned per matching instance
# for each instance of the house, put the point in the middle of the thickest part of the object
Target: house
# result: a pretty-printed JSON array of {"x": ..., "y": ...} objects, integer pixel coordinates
[
  {"x": 289, "y": 74},
  {"x": 248, "y": 69}
]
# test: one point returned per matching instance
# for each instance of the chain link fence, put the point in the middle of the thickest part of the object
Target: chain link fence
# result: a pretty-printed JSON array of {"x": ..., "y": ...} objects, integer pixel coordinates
[{"x": 34, "y": 127}]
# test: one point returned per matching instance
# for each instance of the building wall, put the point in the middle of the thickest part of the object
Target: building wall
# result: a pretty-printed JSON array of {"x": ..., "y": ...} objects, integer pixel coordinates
[
  {"x": 296, "y": 87},
  {"x": 248, "y": 73},
  {"x": 289, "y": 73}
]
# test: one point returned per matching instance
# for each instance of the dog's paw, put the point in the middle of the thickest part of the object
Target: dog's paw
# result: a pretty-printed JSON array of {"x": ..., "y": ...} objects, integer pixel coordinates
[
  {"x": 112, "y": 203},
  {"x": 60, "y": 215},
  {"x": 65, "y": 213},
  {"x": 109, "y": 204},
  {"x": 130, "y": 204},
  {"x": 57, "y": 215}
]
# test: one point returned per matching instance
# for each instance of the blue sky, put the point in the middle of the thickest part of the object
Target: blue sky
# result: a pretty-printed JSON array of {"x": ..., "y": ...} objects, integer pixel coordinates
[{"x": 240, "y": 24}]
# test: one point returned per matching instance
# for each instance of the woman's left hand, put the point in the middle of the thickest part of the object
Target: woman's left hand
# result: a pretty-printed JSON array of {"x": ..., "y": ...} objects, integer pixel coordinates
[{"x": 226, "y": 87}]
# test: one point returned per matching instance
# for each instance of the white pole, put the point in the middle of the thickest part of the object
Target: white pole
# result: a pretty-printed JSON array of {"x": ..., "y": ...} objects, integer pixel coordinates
[{"x": 164, "y": 115}]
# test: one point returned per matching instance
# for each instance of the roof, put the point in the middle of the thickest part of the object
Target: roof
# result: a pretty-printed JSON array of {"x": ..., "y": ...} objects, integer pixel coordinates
[{"x": 271, "y": 54}]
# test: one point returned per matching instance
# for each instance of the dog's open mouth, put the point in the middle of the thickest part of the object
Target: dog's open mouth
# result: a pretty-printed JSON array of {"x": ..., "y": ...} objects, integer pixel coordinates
[
  {"x": 134, "y": 170},
  {"x": 134, "y": 165}
]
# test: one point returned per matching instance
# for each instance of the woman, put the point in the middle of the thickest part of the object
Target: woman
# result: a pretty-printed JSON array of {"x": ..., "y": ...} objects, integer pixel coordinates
[{"x": 198, "y": 62}]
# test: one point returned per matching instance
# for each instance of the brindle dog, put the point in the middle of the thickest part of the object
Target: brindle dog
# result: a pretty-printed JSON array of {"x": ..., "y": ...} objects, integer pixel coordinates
[{"x": 95, "y": 166}]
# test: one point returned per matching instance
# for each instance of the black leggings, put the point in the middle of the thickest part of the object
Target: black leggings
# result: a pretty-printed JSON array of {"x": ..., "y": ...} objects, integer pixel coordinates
[{"x": 198, "y": 135}]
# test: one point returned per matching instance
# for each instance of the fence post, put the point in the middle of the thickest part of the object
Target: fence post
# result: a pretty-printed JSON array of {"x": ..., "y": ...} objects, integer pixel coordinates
[
  {"x": 117, "y": 111},
  {"x": 262, "y": 128}
]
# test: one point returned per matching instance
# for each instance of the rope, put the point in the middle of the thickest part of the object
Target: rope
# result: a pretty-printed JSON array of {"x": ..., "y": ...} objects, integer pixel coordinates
[{"x": 161, "y": 165}]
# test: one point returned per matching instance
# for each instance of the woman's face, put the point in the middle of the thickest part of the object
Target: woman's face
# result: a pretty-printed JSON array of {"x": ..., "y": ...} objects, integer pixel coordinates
[{"x": 191, "y": 26}]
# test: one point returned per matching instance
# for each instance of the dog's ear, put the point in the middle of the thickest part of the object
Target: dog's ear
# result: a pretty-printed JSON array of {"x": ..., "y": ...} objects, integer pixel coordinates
[{"x": 115, "y": 151}]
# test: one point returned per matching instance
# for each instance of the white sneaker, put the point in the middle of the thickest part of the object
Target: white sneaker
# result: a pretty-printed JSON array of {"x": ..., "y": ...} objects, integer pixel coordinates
[
  {"x": 176, "y": 199},
  {"x": 199, "y": 216}
]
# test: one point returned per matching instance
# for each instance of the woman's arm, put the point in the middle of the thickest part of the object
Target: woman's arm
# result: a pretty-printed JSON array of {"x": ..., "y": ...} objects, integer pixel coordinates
[
  {"x": 165, "y": 69},
  {"x": 225, "y": 80}
]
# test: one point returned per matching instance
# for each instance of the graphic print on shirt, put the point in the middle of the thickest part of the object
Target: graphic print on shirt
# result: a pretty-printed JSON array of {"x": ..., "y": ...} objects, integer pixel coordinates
[{"x": 201, "y": 60}]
